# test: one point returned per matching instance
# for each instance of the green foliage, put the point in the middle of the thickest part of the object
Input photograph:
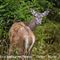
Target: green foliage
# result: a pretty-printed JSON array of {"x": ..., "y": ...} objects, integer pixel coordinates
[
  {"x": 47, "y": 38},
  {"x": 47, "y": 34},
  {"x": 11, "y": 10}
]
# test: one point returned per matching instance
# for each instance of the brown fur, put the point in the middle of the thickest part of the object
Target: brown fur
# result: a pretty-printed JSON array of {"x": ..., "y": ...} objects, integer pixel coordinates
[{"x": 18, "y": 33}]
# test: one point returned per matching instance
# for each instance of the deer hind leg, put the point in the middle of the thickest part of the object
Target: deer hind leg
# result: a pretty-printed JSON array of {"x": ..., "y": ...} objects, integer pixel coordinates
[
  {"x": 30, "y": 48},
  {"x": 10, "y": 51},
  {"x": 33, "y": 41},
  {"x": 26, "y": 45}
]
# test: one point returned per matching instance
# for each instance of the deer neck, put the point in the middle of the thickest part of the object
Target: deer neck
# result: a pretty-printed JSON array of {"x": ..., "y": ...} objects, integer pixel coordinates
[{"x": 34, "y": 23}]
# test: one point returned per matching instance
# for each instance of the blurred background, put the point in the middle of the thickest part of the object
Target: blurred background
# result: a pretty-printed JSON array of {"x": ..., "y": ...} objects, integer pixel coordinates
[{"x": 47, "y": 34}]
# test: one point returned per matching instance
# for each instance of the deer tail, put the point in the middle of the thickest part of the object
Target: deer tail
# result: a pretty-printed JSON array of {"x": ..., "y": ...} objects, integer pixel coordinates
[{"x": 33, "y": 41}]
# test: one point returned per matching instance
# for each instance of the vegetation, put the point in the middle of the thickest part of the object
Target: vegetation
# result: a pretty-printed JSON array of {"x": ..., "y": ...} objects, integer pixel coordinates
[{"x": 47, "y": 34}]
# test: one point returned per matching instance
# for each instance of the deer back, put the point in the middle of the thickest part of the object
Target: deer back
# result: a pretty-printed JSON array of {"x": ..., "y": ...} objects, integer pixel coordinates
[{"x": 18, "y": 33}]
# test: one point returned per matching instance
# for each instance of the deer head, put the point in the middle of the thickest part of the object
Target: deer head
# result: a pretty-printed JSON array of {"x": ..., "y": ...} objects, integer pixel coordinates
[{"x": 38, "y": 16}]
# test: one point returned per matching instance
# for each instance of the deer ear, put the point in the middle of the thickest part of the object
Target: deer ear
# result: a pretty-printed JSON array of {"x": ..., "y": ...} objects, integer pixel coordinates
[
  {"x": 33, "y": 12},
  {"x": 45, "y": 13}
]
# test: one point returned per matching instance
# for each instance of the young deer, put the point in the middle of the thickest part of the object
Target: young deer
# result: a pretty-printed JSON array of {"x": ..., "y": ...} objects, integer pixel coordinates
[{"x": 21, "y": 36}]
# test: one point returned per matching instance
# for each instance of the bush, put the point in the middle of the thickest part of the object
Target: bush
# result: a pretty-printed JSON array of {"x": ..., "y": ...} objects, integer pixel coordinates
[{"x": 47, "y": 35}]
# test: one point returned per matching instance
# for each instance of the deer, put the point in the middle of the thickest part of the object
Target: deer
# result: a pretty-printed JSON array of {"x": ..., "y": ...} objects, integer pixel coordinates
[{"x": 21, "y": 35}]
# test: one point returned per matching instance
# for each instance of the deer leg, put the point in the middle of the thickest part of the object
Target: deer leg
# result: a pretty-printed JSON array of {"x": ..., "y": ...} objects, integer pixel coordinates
[
  {"x": 26, "y": 45},
  {"x": 33, "y": 41},
  {"x": 21, "y": 54},
  {"x": 26, "y": 48},
  {"x": 30, "y": 48},
  {"x": 10, "y": 50}
]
